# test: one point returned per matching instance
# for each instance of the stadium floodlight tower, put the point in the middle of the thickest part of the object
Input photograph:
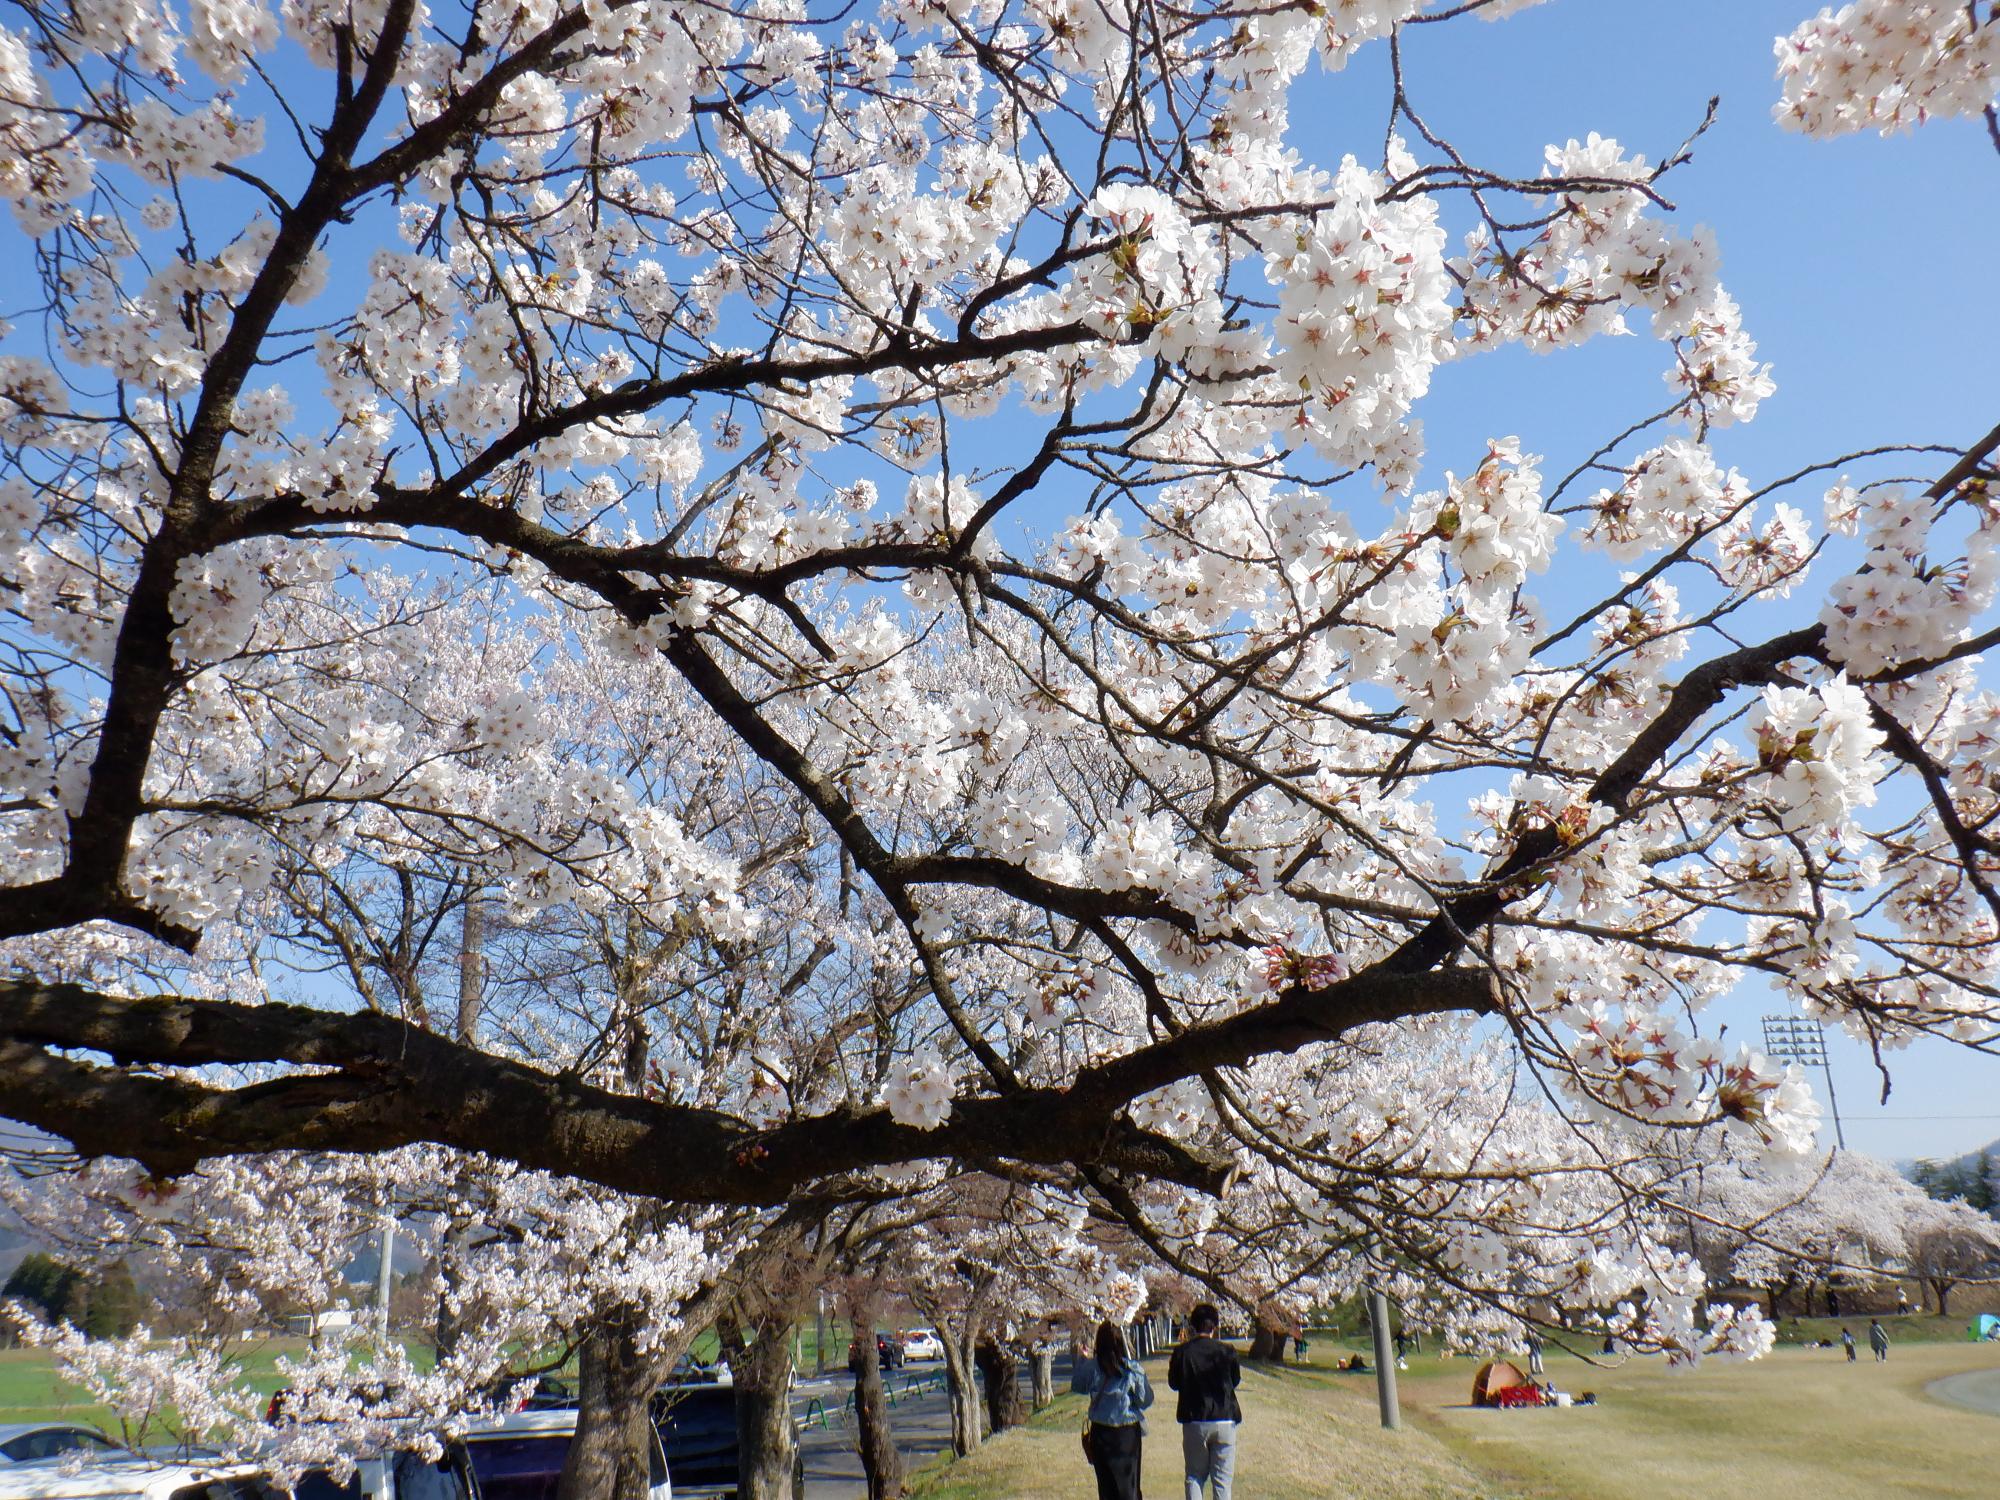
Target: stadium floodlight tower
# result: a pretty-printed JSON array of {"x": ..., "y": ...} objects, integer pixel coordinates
[{"x": 1796, "y": 1039}]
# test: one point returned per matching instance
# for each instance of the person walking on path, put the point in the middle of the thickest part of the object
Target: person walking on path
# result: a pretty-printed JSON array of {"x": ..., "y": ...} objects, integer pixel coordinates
[
  {"x": 1534, "y": 1351},
  {"x": 1119, "y": 1395},
  {"x": 1878, "y": 1340},
  {"x": 1847, "y": 1343},
  {"x": 1902, "y": 1300},
  {"x": 1205, "y": 1372}
]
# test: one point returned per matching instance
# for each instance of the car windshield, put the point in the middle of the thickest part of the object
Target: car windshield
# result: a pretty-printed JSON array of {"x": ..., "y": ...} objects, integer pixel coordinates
[
  {"x": 518, "y": 1468},
  {"x": 51, "y": 1442},
  {"x": 417, "y": 1478}
]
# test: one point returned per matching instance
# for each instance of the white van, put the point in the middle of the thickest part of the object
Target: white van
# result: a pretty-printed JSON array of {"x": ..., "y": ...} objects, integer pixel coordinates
[
  {"x": 514, "y": 1457},
  {"x": 125, "y": 1476}
]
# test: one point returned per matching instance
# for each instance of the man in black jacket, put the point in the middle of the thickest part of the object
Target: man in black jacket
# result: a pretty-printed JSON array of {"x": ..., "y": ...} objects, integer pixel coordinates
[{"x": 1204, "y": 1370}]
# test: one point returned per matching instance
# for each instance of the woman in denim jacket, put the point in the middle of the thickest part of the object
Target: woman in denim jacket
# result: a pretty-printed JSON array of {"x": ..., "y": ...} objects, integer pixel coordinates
[{"x": 1119, "y": 1395}]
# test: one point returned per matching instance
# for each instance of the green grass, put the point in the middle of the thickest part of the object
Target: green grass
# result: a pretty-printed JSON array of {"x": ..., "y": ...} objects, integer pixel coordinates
[
  {"x": 31, "y": 1392},
  {"x": 1904, "y": 1328},
  {"x": 1307, "y": 1434},
  {"x": 1802, "y": 1422}
]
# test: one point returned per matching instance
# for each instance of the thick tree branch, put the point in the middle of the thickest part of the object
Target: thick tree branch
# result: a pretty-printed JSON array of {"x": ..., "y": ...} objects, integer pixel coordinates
[{"x": 387, "y": 1084}]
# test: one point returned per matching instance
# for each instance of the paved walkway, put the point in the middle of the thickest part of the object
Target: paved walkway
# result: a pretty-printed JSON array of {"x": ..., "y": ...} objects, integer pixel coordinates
[{"x": 1975, "y": 1390}]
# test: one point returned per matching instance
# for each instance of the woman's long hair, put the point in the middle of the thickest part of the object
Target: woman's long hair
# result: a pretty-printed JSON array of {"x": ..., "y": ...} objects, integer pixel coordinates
[{"x": 1111, "y": 1358}]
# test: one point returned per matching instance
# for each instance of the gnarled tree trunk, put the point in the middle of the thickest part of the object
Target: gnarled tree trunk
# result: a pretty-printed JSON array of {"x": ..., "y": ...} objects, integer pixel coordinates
[
  {"x": 766, "y": 1441},
  {"x": 1042, "y": 1362},
  {"x": 610, "y": 1458},
  {"x": 881, "y": 1464},
  {"x": 1002, "y": 1368},
  {"x": 1268, "y": 1343},
  {"x": 961, "y": 1388}
]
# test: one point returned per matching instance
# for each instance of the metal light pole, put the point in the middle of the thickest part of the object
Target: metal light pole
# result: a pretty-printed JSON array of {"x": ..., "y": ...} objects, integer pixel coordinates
[
  {"x": 383, "y": 1274},
  {"x": 1796, "y": 1039},
  {"x": 1385, "y": 1360}
]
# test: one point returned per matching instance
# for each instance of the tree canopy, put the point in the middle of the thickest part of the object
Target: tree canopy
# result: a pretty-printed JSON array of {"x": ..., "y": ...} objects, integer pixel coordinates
[{"x": 755, "y": 611}]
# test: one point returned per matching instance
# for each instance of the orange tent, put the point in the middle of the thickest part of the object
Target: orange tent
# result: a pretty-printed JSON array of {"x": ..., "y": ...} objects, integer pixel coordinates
[{"x": 1493, "y": 1378}]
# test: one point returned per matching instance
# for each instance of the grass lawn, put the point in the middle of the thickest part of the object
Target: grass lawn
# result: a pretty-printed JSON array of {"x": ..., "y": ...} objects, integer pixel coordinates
[
  {"x": 1904, "y": 1328},
  {"x": 30, "y": 1391},
  {"x": 1307, "y": 1434},
  {"x": 1802, "y": 1422}
]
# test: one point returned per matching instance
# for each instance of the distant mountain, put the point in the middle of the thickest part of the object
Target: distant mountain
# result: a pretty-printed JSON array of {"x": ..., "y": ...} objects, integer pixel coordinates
[
  {"x": 1973, "y": 1178},
  {"x": 14, "y": 1248},
  {"x": 1991, "y": 1151}
]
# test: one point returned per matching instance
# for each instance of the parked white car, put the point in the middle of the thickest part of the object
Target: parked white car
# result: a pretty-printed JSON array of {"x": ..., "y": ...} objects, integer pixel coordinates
[
  {"x": 126, "y": 1476},
  {"x": 923, "y": 1344},
  {"x": 24, "y": 1442}
]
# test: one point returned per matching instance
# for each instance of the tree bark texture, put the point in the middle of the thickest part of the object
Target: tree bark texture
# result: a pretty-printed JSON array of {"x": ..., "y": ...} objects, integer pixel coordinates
[
  {"x": 381, "y": 1083},
  {"x": 881, "y": 1464},
  {"x": 610, "y": 1458},
  {"x": 1001, "y": 1366},
  {"x": 767, "y": 1442},
  {"x": 1268, "y": 1343},
  {"x": 961, "y": 1390}
]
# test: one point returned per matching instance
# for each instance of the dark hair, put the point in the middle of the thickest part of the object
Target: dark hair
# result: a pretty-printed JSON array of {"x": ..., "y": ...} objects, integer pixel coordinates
[
  {"x": 1110, "y": 1350},
  {"x": 1204, "y": 1318}
]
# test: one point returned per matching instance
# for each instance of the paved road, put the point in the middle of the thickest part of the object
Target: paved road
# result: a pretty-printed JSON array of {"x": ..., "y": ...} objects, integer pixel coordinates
[
  {"x": 1975, "y": 1390},
  {"x": 922, "y": 1424}
]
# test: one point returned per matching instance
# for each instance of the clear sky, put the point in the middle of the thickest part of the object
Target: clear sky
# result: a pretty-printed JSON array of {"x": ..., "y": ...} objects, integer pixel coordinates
[{"x": 1864, "y": 268}]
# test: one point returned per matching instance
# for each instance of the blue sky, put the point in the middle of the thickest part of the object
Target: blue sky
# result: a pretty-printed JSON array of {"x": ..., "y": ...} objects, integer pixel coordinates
[{"x": 1863, "y": 266}]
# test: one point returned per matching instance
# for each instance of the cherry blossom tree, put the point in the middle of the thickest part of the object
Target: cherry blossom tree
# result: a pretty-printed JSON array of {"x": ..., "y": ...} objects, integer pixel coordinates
[
  {"x": 988, "y": 423},
  {"x": 1786, "y": 1226},
  {"x": 1889, "y": 65},
  {"x": 1949, "y": 1244}
]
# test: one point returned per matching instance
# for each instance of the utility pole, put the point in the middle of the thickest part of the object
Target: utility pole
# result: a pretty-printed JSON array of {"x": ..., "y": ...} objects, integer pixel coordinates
[
  {"x": 383, "y": 1275},
  {"x": 1385, "y": 1360},
  {"x": 1796, "y": 1039}
]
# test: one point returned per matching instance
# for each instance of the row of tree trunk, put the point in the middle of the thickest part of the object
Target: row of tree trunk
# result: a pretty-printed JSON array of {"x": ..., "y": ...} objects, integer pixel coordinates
[{"x": 619, "y": 1372}]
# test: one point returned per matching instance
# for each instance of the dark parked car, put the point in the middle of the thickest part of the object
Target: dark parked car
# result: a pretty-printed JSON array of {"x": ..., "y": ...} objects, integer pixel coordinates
[
  {"x": 888, "y": 1353},
  {"x": 697, "y": 1426}
]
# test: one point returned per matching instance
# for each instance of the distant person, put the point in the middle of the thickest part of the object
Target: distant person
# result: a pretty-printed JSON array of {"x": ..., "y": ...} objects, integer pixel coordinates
[
  {"x": 1206, "y": 1373},
  {"x": 1534, "y": 1352},
  {"x": 1847, "y": 1343},
  {"x": 1832, "y": 1303},
  {"x": 1902, "y": 1300},
  {"x": 1402, "y": 1345},
  {"x": 1119, "y": 1395},
  {"x": 1299, "y": 1347},
  {"x": 1878, "y": 1340}
]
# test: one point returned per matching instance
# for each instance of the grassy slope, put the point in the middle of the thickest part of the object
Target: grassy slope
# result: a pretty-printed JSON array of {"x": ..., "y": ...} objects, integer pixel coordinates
[
  {"x": 1801, "y": 1423},
  {"x": 1306, "y": 1435},
  {"x": 30, "y": 1391}
]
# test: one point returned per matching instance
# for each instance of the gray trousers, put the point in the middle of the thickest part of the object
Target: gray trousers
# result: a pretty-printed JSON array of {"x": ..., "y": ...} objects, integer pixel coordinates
[{"x": 1210, "y": 1451}]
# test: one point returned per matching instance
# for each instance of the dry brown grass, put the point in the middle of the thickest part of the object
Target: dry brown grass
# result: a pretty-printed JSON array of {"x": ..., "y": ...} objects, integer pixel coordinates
[
  {"x": 1306, "y": 1436},
  {"x": 1802, "y": 1423}
]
